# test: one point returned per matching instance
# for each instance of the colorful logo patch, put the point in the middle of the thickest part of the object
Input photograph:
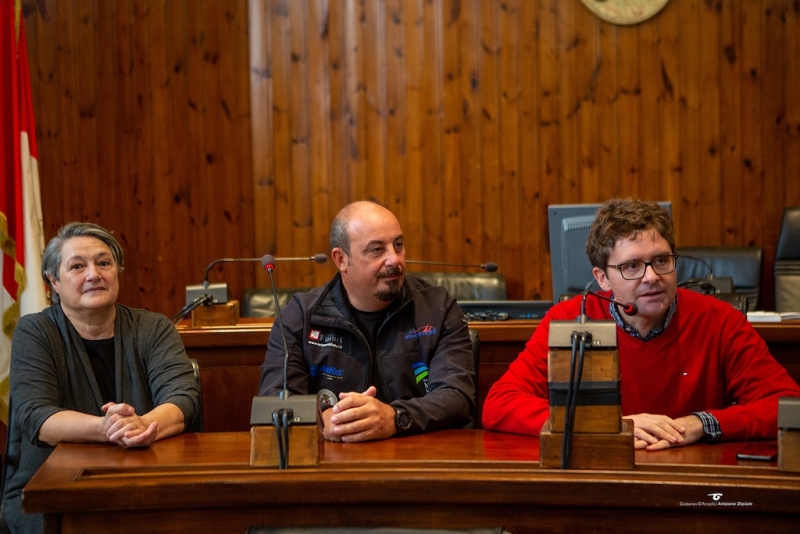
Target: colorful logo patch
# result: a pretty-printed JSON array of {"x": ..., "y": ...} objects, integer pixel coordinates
[
  {"x": 420, "y": 371},
  {"x": 320, "y": 339},
  {"x": 426, "y": 330}
]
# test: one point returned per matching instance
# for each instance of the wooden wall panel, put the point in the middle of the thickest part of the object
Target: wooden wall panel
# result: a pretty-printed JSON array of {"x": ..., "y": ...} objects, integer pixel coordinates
[
  {"x": 199, "y": 130},
  {"x": 143, "y": 117}
]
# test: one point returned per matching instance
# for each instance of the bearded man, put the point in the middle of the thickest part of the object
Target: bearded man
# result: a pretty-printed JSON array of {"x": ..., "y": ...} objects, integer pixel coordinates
[{"x": 394, "y": 350}]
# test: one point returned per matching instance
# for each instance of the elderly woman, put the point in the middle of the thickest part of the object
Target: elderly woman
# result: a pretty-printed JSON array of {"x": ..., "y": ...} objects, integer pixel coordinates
[{"x": 91, "y": 370}]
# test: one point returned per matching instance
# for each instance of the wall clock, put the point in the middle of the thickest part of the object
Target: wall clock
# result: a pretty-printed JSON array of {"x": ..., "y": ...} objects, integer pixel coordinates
[{"x": 624, "y": 11}]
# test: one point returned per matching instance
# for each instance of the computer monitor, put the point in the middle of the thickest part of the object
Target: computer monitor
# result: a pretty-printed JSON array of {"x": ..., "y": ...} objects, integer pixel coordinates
[{"x": 569, "y": 229}]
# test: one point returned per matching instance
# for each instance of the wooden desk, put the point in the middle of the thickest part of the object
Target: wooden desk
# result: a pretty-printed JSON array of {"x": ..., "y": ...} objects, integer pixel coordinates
[
  {"x": 230, "y": 358},
  {"x": 451, "y": 479}
]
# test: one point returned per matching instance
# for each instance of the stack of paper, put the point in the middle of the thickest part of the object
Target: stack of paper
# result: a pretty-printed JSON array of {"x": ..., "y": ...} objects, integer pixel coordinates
[{"x": 771, "y": 316}]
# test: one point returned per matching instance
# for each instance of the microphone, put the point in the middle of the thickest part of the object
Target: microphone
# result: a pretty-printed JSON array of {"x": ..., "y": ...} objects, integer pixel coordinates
[
  {"x": 705, "y": 263},
  {"x": 489, "y": 266},
  {"x": 317, "y": 258},
  {"x": 286, "y": 409},
  {"x": 710, "y": 285},
  {"x": 629, "y": 308},
  {"x": 206, "y": 293},
  {"x": 591, "y": 335}
]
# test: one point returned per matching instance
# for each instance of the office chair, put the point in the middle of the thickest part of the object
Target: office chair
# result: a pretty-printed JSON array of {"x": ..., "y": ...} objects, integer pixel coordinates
[
  {"x": 741, "y": 265},
  {"x": 787, "y": 262},
  {"x": 467, "y": 286},
  {"x": 259, "y": 302}
]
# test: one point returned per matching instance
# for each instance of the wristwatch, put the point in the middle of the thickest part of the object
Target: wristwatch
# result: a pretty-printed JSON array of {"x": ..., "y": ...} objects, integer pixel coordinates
[
  {"x": 326, "y": 399},
  {"x": 402, "y": 420}
]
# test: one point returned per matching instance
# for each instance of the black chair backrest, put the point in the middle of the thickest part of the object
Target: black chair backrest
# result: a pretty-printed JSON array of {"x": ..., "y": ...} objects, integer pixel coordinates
[
  {"x": 742, "y": 264},
  {"x": 467, "y": 286},
  {"x": 259, "y": 301},
  {"x": 789, "y": 238},
  {"x": 787, "y": 262}
]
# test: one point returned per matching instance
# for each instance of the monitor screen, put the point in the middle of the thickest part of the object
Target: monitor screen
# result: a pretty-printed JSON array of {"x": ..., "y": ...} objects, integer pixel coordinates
[{"x": 569, "y": 229}]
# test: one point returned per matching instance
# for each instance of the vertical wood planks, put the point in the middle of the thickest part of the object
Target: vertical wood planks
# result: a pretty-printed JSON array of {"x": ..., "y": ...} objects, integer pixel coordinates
[{"x": 201, "y": 130}]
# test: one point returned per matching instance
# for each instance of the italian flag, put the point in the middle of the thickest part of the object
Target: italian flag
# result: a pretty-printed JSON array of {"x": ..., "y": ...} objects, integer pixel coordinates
[{"x": 21, "y": 230}]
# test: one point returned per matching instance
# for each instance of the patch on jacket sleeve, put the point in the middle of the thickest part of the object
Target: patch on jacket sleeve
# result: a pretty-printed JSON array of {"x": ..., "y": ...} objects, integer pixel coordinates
[
  {"x": 421, "y": 374},
  {"x": 323, "y": 339},
  {"x": 426, "y": 330}
]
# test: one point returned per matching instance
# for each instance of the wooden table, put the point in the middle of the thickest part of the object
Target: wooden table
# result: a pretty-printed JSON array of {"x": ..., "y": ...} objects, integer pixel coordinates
[
  {"x": 450, "y": 479},
  {"x": 230, "y": 357}
]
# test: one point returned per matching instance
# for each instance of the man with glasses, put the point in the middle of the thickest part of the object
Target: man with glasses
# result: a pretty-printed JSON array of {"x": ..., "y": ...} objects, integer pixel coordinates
[{"x": 692, "y": 367}]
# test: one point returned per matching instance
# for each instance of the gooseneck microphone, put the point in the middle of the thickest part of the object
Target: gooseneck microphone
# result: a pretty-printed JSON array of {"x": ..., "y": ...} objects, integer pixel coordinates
[
  {"x": 286, "y": 409},
  {"x": 629, "y": 308},
  {"x": 489, "y": 266},
  {"x": 206, "y": 293},
  {"x": 591, "y": 334},
  {"x": 204, "y": 299},
  {"x": 316, "y": 258},
  {"x": 711, "y": 284},
  {"x": 268, "y": 263}
]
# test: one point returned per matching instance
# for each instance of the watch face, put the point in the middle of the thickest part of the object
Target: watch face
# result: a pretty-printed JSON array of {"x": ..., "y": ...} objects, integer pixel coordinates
[
  {"x": 326, "y": 399},
  {"x": 402, "y": 420}
]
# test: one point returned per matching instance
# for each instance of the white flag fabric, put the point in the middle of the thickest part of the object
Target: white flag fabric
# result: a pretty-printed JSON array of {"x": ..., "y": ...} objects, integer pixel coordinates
[{"x": 21, "y": 225}]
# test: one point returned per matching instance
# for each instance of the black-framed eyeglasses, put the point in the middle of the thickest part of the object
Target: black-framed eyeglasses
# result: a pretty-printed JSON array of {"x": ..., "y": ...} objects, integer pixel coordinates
[{"x": 634, "y": 270}]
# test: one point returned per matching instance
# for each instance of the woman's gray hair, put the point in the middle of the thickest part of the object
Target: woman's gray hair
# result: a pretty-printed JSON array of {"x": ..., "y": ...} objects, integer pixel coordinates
[{"x": 51, "y": 259}]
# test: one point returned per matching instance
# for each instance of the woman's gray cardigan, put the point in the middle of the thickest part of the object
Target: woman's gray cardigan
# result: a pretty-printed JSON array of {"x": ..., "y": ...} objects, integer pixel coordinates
[{"x": 50, "y": 372}]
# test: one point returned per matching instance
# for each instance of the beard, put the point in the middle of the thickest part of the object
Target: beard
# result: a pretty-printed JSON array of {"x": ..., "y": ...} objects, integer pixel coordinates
[{"x": 395, "y": 287}]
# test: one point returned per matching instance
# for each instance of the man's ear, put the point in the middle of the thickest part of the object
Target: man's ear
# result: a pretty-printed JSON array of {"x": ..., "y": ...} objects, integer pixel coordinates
[
  {"x": 339, "y": 258},
  {"x": 602, "y": 279}
]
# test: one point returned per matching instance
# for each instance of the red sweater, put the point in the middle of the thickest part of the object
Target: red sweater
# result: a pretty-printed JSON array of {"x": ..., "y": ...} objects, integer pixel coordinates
[{"x": 708, "y": 359}]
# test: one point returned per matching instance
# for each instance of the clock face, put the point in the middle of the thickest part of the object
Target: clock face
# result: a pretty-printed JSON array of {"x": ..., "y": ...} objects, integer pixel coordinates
[{"x": 624, "y": 11}]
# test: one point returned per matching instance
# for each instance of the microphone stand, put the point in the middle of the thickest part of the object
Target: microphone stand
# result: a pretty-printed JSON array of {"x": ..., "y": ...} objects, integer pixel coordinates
[
  {"x": 710, "y": 285},
  {"x": 317, "y": 258},
  {"x": 489, "y": 267},
  {"x": 186, "y": 310},
  {"x": 286, "y": 409},
  {"x": 579, "y": 340},
  {"x": 207, "y": 294},
  {"x": 591, "y": 335}
]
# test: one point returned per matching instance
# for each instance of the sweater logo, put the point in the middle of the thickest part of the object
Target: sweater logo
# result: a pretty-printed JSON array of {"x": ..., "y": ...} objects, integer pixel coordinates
[
  {"x": 426, "y": 330},
  {"x": 320, "y": 339}
]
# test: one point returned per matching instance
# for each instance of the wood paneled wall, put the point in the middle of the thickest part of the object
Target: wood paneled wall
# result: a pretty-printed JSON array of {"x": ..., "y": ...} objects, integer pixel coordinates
[
  {"x": 143, "y": 115},
  {"x": 202, "y": 129}
]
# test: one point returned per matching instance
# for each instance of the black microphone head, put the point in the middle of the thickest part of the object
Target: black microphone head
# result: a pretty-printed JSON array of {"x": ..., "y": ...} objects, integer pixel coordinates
[
  {"x": 489, "y": 267},
  {"x": 629, "y": 308},
  {"x": 268, "y": 262},
  {"x": 320, "y": 258}
]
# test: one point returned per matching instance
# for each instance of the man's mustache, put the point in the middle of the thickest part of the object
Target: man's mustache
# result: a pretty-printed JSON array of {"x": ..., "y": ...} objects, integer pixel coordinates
[{"x": 391, "y": 271}]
